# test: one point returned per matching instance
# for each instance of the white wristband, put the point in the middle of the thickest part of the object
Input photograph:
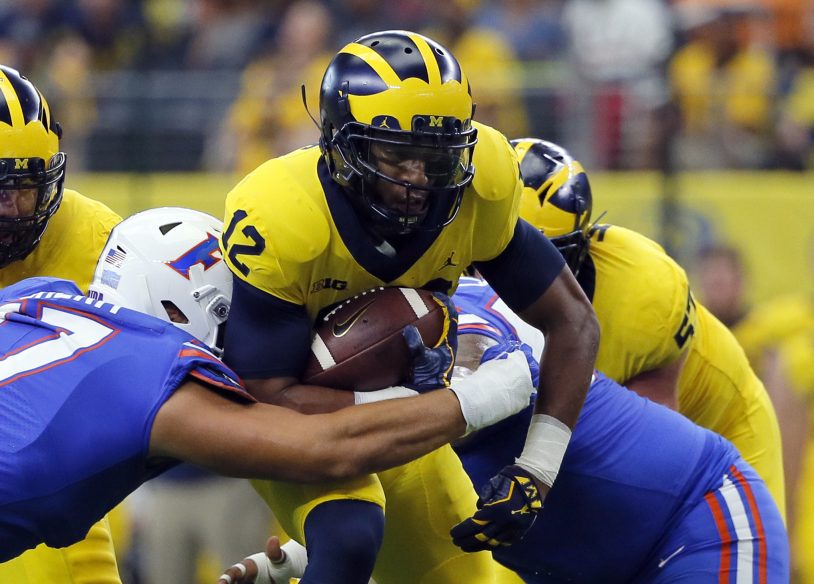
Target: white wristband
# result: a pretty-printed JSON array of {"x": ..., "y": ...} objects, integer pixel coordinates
[
  {"x": 293, "y": 564},
  {"x": 546, "y": 442},
  {"x": 496, "y": 390},
  {"x": 367, "y": 397}
]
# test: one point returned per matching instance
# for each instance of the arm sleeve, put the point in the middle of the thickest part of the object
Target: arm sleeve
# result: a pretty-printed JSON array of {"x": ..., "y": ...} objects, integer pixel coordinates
[
  {"x": 525, "y": 269},
  {"x": 265, "y": 336}
]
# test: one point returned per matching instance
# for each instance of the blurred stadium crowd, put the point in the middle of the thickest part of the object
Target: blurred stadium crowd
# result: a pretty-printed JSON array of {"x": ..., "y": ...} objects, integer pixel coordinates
[{"x": 153, "y": 85}]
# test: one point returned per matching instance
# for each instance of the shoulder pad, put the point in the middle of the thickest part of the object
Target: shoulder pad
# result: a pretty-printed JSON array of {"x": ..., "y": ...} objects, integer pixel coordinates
[
  {"x": 286, "y": 206},
  {"x": 497, "y": 172}
]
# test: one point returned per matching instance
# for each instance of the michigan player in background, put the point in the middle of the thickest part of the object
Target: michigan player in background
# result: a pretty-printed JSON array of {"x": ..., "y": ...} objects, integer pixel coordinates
[
  {"x": 404, "y": 189},
  {"x": 102, "y": 393},
  {"x": 32, "y": 172},
  {"x": 656, "y": 338}
]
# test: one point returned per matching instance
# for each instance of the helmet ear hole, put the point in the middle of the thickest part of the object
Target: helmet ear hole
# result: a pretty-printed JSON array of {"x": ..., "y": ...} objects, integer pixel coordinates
[{"x": 174, "y": 313}]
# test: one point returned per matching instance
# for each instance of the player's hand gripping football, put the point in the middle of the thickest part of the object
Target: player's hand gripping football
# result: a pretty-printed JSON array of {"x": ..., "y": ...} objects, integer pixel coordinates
[
  {"x": 432, "y": 367},
  {"x": 507, "y": 507}
]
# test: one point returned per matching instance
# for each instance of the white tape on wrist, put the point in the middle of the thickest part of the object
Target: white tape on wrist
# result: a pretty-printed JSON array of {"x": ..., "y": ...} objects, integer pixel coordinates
[
  {"x": 496, "y": 390},
  {"x": 225, "y": 577},
  {"x": 546, "y": 442},
  {"x": 367, "y": 397},
  {"x": 293, "y": 564}
]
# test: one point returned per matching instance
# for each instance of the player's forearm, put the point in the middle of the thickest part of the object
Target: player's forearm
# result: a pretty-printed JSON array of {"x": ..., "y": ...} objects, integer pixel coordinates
[
  {"x": 354, "y": 441},
  {"x": 566, "y": 368},
  {"x": 306, "y": 399},
  {"x": 373, "y": 437}
]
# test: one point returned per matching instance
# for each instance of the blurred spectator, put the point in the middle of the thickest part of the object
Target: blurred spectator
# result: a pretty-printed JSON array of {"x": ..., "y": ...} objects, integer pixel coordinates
[
  {"x": 355, "y": 18},
  {"x": 226, "y": 34},
  {"x": 27, "y": 29},
  {"x": 268, "y": 117},
  {"x": 488, "y": 60},
  {"x": 787, "y": 28},
  {"x": 720, "y": 283},
  {"x": 114, "y": 30},
  {"x": 795, "y": 127},
  {"x": 532, "y": 27},
  {"x": 618, "y": 48},
  {"x": 70, "y": 91},
  {"x": 724, "y": 86}
]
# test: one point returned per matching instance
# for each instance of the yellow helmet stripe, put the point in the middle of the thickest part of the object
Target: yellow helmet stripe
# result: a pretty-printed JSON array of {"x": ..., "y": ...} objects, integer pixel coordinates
[
  {"x": 375, "y": 60},
  {"x": 433, "y": 72},
  {"x": 12, "y": 100}
]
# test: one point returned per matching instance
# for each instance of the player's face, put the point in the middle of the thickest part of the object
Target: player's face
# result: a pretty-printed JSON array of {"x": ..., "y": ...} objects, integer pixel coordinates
[
  {"x": 16, "y": 203},
  {"x": 403, "y": 165}
]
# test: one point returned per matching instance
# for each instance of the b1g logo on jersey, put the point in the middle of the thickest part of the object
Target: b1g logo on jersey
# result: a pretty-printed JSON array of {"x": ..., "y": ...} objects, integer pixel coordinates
[{"x": 329, "y": 284}]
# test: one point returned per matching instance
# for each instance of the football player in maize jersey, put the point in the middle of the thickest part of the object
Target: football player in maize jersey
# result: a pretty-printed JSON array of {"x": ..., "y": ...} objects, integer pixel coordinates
[
  {"x": 643, "y": 495},
  {"x": 656, "y": 338},
  {"x": 404, "y": 189},
  {"x": 32, "y": 171},
  {"x": 102, "y": 393}
]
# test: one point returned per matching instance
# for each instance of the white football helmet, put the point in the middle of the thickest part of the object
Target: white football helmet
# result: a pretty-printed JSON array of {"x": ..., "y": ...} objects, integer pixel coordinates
[{"x": 164, "y": 262}]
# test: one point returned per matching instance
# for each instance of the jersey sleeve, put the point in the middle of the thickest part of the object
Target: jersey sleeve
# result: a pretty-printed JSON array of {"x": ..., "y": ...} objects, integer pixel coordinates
[
  {"x": 273, "y": 229},
  {"x": 203, "y": 366},
  {"x": 525, "y": 269},
  {"x": 265, "y": 335}
]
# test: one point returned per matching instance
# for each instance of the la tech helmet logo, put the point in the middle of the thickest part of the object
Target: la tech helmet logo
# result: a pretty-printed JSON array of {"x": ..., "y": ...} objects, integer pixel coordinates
[{"x": 202, "y": 253}]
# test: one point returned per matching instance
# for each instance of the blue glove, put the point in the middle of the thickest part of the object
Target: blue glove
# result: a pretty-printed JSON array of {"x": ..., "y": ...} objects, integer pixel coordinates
[
  {"x": 506, "y": 346},
  {"x": 431, "y": 368},
  {"x": 507, "y": 508}
]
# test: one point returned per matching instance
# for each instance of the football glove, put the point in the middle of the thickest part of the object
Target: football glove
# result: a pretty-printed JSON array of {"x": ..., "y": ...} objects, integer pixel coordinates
[
  {"x": 431, "y": 368},
  {"x": 506, "y": 346},
  {"x": 507, "y": 507}
]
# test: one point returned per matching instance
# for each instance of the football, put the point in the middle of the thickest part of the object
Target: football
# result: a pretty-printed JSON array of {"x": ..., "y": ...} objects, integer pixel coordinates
[{"x": 359, "y": 346}]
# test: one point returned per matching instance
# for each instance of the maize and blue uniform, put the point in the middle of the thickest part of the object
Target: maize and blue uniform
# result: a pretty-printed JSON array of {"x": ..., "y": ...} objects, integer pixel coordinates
[
  {"x": 81, "y": 382},
  {"x": 297, "y": 247},
  {"x": 643, "y": 494}
]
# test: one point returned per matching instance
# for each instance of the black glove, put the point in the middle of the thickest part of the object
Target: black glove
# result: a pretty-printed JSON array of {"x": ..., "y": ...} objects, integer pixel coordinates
[{"x": 507, "y": 508}]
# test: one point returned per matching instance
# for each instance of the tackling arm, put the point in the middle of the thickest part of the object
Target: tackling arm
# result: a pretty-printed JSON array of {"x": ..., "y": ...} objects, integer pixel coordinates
[{"x": 265, "y": 441}]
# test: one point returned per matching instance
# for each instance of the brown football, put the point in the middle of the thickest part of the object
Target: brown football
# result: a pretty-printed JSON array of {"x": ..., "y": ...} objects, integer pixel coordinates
[{"x": 359, "y": 346}]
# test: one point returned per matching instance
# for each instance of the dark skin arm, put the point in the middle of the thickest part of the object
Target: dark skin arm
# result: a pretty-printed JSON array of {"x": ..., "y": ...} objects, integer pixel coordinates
[
  {"x": 268, "y": 442},
  {"x": 567, "y": 319}
]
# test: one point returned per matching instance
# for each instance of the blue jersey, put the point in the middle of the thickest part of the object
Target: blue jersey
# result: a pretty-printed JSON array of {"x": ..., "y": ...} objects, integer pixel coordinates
[
  {"x": 634, "y": 471},
  {"x": 81, "y": 382}
]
